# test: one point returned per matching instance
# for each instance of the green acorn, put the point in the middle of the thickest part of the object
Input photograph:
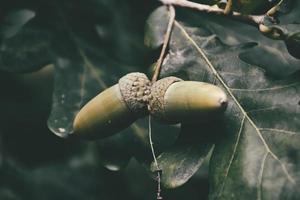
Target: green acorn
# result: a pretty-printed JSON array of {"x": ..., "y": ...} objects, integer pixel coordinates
[
  {"x": 174, "y": 100},
  {"x": 169, "y": 100},
  {"x": 114, "y": 109}
]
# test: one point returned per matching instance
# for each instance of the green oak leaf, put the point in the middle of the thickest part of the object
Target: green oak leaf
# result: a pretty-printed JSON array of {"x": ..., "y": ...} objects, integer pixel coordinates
[
  {"x": 156, "y": 27},
  {"x": 182, "y": 160},
  {"x": 233, "y": 33},
  {"x": 256, "y": 155},
  {"x": 293, "y": 44}
]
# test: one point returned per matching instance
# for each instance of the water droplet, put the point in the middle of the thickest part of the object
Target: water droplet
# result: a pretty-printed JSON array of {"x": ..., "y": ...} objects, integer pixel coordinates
[
  {"x": 113, "y": 167},
  {"x": 62, "y": 130}
]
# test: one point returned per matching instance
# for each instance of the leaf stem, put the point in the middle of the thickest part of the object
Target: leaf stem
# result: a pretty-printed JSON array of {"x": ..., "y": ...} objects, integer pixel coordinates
[
  {"x": 165, "y": 44},
  {"x": 158, "y": 170},
  {"x": 151, "y": 143},
  {"x": 155, "y": 76},
  {"x": 228, "y": 7}
]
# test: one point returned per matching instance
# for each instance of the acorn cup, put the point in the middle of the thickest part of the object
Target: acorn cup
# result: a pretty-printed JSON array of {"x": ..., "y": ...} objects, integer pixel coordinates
[
  {"x": 174, "y": 101},
  {"x": 114, "y": 109}
]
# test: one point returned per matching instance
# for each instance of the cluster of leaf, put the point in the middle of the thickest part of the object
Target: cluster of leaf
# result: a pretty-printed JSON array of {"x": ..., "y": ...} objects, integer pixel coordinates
[
  {"x": 256, "y": 144},
  {"x": 97, "y": 41},
  {"x": 253, "y": 148}
]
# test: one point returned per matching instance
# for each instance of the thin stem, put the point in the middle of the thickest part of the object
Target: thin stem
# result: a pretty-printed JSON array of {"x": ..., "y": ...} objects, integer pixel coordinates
[
  {"x": 155, "y": 160},
  {"x": 274, "y": 9},
  {"x": 228, "y": 7},
  {"x": 151, "y": 143},
  {"x": 165, "y": 44},
  {"x": 250, "y": 19},
  {"x": 154, "y": 79}
]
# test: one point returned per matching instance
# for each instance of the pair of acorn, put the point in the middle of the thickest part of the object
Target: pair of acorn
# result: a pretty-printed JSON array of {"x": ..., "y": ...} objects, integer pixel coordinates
[{"x": 169, "y": 100}]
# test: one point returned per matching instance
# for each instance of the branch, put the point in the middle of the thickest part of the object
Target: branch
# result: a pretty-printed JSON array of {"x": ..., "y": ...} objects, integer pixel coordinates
[
  {"x": 165, "y": 44},
  {"x": 250, "y": 19},
  {"x": 262, "y": 22},
  {"x": 154, "y": 79}
]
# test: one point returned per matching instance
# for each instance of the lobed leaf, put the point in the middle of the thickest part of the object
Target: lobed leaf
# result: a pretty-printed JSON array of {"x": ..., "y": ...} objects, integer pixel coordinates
[{"x": 252, "y": 158}]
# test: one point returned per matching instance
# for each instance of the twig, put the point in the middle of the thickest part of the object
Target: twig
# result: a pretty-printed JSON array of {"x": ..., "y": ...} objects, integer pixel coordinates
[
  {"x": 165, "y": 44},
  {"x": 228, "y": 7},
  {"x": 151, "y": 143},
  {"x": 250, "y": 19},
  {"x": 154, "y": 79},
  {"x": 158, "y": 170}
]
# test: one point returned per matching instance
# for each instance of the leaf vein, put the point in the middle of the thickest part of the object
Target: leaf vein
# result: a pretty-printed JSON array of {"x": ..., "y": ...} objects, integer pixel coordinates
[
  {"x": 212, "y": 68},
  {"x": 233, "y": 155},
  {"x": 265, "y": 89},
  {"x": 262, "y": 109},
  {"x": 89, "y": 65},
  {"x": 259, "y": 185},
  {"x": 278, "y": 130}
]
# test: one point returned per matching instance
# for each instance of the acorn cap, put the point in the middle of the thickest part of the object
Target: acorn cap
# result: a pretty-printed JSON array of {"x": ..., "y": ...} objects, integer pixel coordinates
[
  {"x": 156, "y": 101},
  {"x": 135, "y": 89}
]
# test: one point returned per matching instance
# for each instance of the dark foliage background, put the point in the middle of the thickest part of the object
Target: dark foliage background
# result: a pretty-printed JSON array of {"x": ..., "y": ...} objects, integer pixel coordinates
[
  {"x": 35, "y": 163},
  {"x": 56, "y": 55}
]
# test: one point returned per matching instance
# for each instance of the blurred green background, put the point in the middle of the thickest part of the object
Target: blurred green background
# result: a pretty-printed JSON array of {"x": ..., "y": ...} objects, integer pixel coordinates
[{"x": 35, "y": 164}]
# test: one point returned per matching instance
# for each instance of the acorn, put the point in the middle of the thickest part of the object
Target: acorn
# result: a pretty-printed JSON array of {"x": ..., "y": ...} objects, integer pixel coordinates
[
  {"x": 174, "y": 100},
  {"x": 114, "y": 109},
  {"x": 169, "y": 100}
]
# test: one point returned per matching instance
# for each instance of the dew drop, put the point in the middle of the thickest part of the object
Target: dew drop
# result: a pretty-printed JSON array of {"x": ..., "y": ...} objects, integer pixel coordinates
[
  {"x": 62, "y": 130},
  {"x": 112, "y": 167}
]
